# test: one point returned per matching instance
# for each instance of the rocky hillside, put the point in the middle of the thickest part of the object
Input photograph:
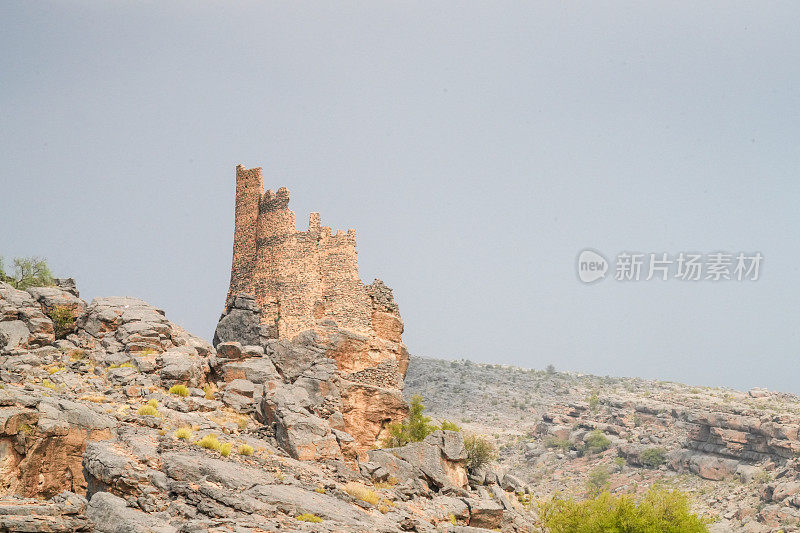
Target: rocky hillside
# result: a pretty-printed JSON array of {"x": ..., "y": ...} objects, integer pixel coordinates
[
  {"x": 114, "y": 419},
  {"x": 735, "y": 452}
]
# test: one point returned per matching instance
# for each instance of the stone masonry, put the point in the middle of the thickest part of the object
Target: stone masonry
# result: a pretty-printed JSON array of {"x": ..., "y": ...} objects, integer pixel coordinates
[{"x": 308, "y": 281}]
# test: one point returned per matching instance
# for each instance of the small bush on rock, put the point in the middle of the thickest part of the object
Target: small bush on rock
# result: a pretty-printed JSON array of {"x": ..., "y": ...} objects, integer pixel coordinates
[
  {"x": 147, "y": 410},
  {"x": 225, "y": 449},
  {"x": 564, "y": 445},
  {"x": 653, "y": 457},
  {"x": 449, "y": 426},
  {"x": 361, "y": 492},
  {"x": 209, "y": 442},
  {"x": 596, "y": 442},
  {"x": 179, "y": 390},
  {"x": 63, "y": 318},
  {"x": 598, "y": 480},
  {"x": 660, "y": 510},
  {"x": 245, "y": 449},
  {"x": 183, "y": 433},
  {"x": 480, "y": 451},
  {"x": 413, "y": 429}
]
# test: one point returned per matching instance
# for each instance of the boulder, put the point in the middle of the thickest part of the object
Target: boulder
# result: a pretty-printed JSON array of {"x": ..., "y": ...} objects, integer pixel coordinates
[{"x": 111, "y": 514}]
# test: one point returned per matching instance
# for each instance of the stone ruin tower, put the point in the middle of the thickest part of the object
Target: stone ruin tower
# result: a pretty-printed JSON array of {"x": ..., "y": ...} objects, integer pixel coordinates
[{"x": 308, "y": 280}]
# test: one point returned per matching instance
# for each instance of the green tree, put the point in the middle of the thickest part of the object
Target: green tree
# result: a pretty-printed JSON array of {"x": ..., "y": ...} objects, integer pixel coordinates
[
  {"x": 480, "y": 451},
  {"x": 653, "y": 457},
  {"x": 598, "y": 480},
  {"x": 413, "y": 429},
  {"x": 28, "y": 272}
]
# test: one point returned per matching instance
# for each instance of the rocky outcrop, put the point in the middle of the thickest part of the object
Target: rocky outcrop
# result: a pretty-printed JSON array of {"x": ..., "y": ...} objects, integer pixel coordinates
[{"x": 63, "y": 513}]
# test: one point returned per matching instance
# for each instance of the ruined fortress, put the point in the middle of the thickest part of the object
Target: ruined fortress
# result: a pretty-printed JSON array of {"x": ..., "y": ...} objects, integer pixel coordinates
[
  {"x": 308, "y": 280},
  {"x": 301, "y": 278}
]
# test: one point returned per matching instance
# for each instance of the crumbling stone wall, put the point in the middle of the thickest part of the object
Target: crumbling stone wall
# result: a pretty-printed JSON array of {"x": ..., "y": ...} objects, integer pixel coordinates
[
  {"x": 308, "y": 281},
  {"x": 301, "y": 278}
]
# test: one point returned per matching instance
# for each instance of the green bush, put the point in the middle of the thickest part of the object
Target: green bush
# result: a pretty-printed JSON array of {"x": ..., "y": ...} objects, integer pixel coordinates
[
  {"x": 596, "y": 442},
  {"x": 179, "y": 390},
  {"x": 480, "y": 451},
  {"x": 449, "y": 426},
  {"x": 562, "y": 444},
  {"x": 653, "y": 457},
  {"x": 413, "y": 429},
  {"x": 659, "y": 511},
  {"x": 63, "y": 318},
  {"x": 147, "y": 410},
  {"x": 597, "y": 481},
  {"x": 28, "y": 272}
]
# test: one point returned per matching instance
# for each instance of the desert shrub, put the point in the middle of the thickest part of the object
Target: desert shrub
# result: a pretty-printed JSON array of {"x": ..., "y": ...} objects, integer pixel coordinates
[
  {"x": 28, "y": 272},
  {"x": 209, "y": 442},
  {"x": 659, "y": 511},
  {"x": 550, "y": 369},
  {"x": 152, "y": 402},
  {"x": 596, "y": 442},
  {"x": 183, "y": 433},
  {"x": 597, "y": 481},
  {"x": 49, "y": 384},
  {"x": 147, "y": 410},
  {"x": 179, "y": 390},
  {"x": 563, "y": 445},
  {"x": 361, "y": 492},
  {"x": 480, "y": 451},
  {"x": 593, "y": 400},
  {"x": 63, "y": 318},
  {"x": 449, "y": 426},
  {"x": 309, "y": 517},
  {"x": 653, "y": 457},
  {"x": 413, "y": 429},
  {"x": 245, "y": 449},
  {"x": 225, "y": 449},
  {"x": 209, "y": 391}
]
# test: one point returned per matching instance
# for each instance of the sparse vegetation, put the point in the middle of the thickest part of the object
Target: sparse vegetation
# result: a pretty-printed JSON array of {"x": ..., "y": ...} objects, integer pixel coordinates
[
  {"x": 413, "y": 429},
  {"x": 598, "y": 480},
  {"x": 225, "y": 449},
  {"x": 147, "y": 410},
  {"x": 179, "y": 390},
  {"x": 209, "y": 391},
  {"x": 361, "y": 492},
  {"x": 209, "y": 442},
  {"x": 63, "y": 318},
  {"x": 596, "y": 442},
  {"x": 184, "y": 433},
  {"x": 593, "y": 400},
  {"x": 449, "y": 426},
  {"x": 659, "y": 511},
  {"x": 480, "y": 451},
  {"x": 245, "y": 449},
  {"x": 564, "y": 445},
  {"x": 309, "y": 517},
  {"x": 653, "y": 457}
]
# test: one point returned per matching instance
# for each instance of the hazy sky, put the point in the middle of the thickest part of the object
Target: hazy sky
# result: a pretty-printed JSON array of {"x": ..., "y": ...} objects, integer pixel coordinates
[{"x": 477, "y": 147}]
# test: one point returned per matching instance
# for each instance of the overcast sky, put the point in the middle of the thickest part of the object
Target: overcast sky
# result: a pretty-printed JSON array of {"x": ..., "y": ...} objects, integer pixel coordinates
[{"x": 477, "y": 147}]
